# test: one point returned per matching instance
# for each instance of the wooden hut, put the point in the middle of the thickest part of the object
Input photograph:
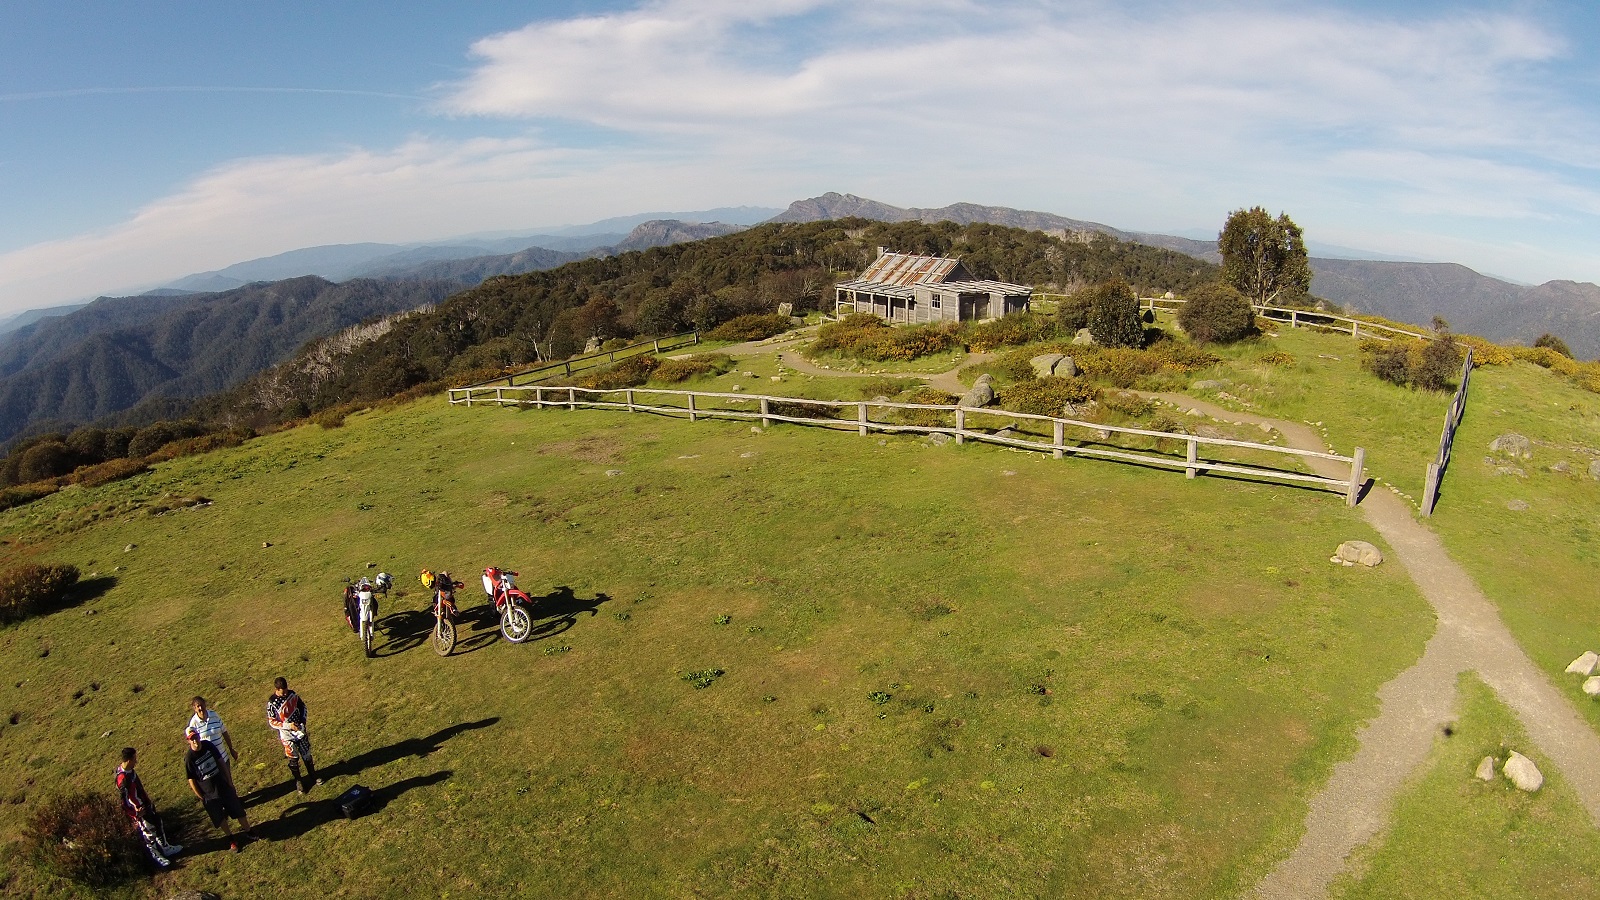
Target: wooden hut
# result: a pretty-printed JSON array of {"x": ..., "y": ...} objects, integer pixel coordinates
[{"x": 900, "y": 287}]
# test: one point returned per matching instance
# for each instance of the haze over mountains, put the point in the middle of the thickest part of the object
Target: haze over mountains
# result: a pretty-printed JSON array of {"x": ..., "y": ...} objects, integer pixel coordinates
[{"x": 72, "y": 365}]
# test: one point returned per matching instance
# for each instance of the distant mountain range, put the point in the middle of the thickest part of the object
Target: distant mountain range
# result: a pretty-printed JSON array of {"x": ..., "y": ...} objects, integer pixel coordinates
[{"x": 1411, "y": 292}]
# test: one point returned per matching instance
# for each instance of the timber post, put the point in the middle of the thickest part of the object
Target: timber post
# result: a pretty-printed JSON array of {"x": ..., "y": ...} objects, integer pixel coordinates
[
  {"x": 1193, "y": 454},
  {"x": 861, "y": 419},
  {"x": 765, "y": 422},
  {"x": 1356, "y": 467},
  {"x": 630, "y": 399},
  {"x": 1061, "y": 438},
  {"x": 961, "y": 424},
  {"x": 691, "y": 407},
  {"x": 572, "y": 399}
]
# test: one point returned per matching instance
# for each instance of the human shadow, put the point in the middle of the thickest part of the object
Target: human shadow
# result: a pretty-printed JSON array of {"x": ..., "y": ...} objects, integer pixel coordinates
[
  {"x": 303, "y": 817},
  {"x": 417, "y": 747},
  {"x": 558, "y": 611}
]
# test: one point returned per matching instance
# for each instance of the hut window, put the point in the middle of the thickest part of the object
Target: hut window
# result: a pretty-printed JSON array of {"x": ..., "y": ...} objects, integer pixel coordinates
[{"x": 935, "y": 301}]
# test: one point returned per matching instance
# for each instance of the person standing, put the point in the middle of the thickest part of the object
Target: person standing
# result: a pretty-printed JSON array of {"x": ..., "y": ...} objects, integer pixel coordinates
[
  {"x": 212, "y": 784},
  {"x": 146, "y": 821},
  {"x": 208, "y": 723},
  {"x": 286, "y": 712}
]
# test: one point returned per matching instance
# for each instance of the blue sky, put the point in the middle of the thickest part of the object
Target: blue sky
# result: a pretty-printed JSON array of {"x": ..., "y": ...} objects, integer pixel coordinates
[{"x": 141, "y": 141}]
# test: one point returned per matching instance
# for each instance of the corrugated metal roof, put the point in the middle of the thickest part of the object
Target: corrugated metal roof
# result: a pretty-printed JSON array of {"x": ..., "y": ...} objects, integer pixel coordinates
[
  {"x": 906, "y": 269},
  {"x": 986, "y": 287},
  {"x": 952, "y": 287},
  {"x": 875, "y": 287}
]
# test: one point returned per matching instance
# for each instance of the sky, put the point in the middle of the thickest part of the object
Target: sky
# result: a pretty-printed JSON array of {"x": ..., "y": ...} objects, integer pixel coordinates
[{"x": 143, "y": 140}]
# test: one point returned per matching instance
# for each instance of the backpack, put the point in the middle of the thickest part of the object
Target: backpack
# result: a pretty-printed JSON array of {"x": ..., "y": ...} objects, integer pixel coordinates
[{"x": 355, "y": 801}]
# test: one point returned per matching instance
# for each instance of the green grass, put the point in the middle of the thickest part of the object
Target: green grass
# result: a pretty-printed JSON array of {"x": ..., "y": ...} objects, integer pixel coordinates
[
  {"x": 1100, "y": 680},
  {"x": 1455, "y": 836},
  {"x": 1540, "y": 565}
]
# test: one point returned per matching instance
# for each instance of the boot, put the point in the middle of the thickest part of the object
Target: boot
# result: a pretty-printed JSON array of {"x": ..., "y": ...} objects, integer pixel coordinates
[{"x": 169, "y": 850}]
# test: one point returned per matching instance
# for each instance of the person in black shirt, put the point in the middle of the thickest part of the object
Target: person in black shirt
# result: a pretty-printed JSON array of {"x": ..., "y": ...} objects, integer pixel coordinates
[{"x": 212, "y": 784}]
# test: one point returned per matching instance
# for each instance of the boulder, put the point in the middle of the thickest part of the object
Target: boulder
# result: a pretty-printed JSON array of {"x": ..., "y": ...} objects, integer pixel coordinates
[
  {"x": 1083, "y": 338},
  {"x": 1585, "y": 664},
  {"x": 1512, "y": 444},
  {"x": 592, "y": 346},
  {"x": 1591, "y": 685},
  {"x": 1561, "y": 468},
  {"x": 1521, "y": 771},
  {"x": 1045, "y": 363},
  {"x": 938, "y": 438},
  {"x": 1208, "y": 385},
  {"x": 981, "y": 394},
  {"x": 1359, "y": 552},
  {"x": 1485, "y": 769},
  {"x": 1073, "y": 410},
  {"x": 985, "y": 378},
  {"x": 1065, "y": 367},
  {"x": 785, "y": 308}
]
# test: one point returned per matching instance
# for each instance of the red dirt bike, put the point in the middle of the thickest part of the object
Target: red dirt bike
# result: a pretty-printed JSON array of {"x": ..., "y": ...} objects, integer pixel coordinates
[{"x": 516, "y": 622}]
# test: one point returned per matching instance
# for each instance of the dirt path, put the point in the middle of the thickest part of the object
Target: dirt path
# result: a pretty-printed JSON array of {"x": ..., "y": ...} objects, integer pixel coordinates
[{"x": 1415, "y": 706}]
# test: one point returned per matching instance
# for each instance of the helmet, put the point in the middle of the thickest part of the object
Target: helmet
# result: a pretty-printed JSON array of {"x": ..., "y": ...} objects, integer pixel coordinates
[{"x": 427, "y": 579}]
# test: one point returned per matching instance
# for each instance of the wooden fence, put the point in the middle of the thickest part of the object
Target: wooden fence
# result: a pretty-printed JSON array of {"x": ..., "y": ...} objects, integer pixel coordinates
[
  {"x": 591, "y": 360},
  {"x": 1305, "y": 318},
  {"x": 701, "y": 404},
  {"x": 1452, "y": 420}
]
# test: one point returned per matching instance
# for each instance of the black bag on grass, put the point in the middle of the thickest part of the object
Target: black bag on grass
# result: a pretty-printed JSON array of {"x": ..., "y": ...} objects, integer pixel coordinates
[{"x": 355, "y": 801}]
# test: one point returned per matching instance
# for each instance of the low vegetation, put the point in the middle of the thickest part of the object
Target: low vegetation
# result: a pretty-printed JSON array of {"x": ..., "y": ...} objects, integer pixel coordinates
[
  {"x": 30, "y": 589},
  {"x": 84, "y": 837}
]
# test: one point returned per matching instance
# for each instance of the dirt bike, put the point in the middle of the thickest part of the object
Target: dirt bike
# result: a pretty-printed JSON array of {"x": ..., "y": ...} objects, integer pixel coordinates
[
  {"x": 516, "y": 622},
  {"x": 444, "y": 613}
]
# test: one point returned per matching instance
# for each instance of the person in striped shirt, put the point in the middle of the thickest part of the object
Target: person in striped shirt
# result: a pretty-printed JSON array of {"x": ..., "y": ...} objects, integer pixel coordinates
[{"x": 206, "y": 721}]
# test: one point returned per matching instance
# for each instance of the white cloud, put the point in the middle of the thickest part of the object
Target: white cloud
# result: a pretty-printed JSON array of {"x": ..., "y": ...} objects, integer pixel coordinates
[{"x": 1436, "y": 132}]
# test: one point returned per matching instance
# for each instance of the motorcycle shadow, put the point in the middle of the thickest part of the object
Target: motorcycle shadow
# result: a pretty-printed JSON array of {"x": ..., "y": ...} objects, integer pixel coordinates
[
  {"x": 556, "y": 612},
  {"x": 476, "y": 628}
]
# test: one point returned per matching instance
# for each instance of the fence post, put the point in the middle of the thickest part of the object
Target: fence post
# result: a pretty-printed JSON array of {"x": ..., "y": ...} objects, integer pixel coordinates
[
  {"x": 1061, "y": 438},
  {"x": 568, "y": 367},
  {"x": 1193, "y": 454},
  {"x": 499, "y": 399},
  {"x": 861, "y": 419},
  {"x": 630, "y": 399},
  {"x": 1357, "y": 465},
  {"x": 961, "y": 424},
  {"x": 1355, "y": 329},
  {"x": 469, "y": 398},
  {"x": 538, "y": 398},
  {"x": 657, "y": 343},
  {"x": 1294, "y": 318},
  {"x": 691, "y": 407},
  {"x": 1430, "y": 489},
  {"x": 765, "y": 422},
  {"x": 572, "y": 399}
]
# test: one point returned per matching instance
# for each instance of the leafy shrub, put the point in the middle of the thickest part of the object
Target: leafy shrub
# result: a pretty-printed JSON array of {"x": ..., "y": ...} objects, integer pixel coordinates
[
  {"x": 885, "y": 387},
  {"x": 1046, "y": 396},
  {"x": 1179, "y": 357},
  {"x": 109, "y": 471},
  {"x": 332, "y": 417},
  {"x": 1130, "y": 405},
  {"x": 800, "y": 409},
  {"x": 631, "y": 372},
  {"x": 1278, "y": 358},
  {"x": 671, "y": 371},
  {"x": 1546, "y": 358},
  {"x": 1549, "y": 341},
  {"x": 868, "y": 337},
  {"x": 1072, "y": 313},
  {"x": 20, "y": 494},
  {"x": 1012, "y": 331},
  {"x": 1016, "y": 365},
  {"x": 1389, "y": 362},
  {"x": 1437, "y": 365},
  {"x": 927, "y": 418},
  {"x": 86, "y": 838},
  {"x": 1114, "y": 315},
  {"x": 1118, "y": 366},
  {"x": 1217, "y": 314},
  {"x": 31, "y": 589},
  {"x": 206, "y": 443},
  {"x": 753, "y": 327},
  {"x": 1484, "y": 352}
]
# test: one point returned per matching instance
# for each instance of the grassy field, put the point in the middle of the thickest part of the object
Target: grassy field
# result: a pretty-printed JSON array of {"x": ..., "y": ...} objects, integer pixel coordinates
[
  {"x": 1456, "y": 836},
  {"x": 946, "y": 671}
]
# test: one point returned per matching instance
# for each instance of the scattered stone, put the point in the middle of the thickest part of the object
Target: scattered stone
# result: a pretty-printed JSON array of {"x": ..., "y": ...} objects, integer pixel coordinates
[
  {"x": 1359, "y": 552},
  {"x": 1010, "y": 431},
  {"x": 106, "y": 734},
  {"x": 1591, "y": 685},
  {"x": 265, "y": 544},
  {"x": 1208, "y": 385},
  {"x": 612, "y": 473},
  {"x": 372, "y": 565},
  {"x": 1102, "y": 434},
  {"x": 881, "y": 398},
  {"x": 89, "y": 612},
  {"x": 1561, "y": 468},
  {"x": 1078, "y": 409},
  {"x": 1265, "y": 428},
  {"x": 1065, "y": 368},
  {"x": 1045, "y": 363},
  {"x": 1326, "y": 356},
  {"x": 690, "y": 456},
  {"x": 1338, "y": 561},
  {"x": 1194, "y": 412},
  {"x": 1594, "y": 469},
  {"x": 592, "y": 346},
  {"x": 777, "y": 378},
  {"x": 1508, "y": 470},
  {"x": 1512, "y": 444},
  {"x": 755, "y": 429},
  {"x": 130, "y": 548},
  {"x": 1083, "y": 338},
  {"x": 1485, "y": 769},
  {"x": 1521, "y": 771},
  {"x": 1585, "y": 664},
  {"x": 737, "y": 387},
  {"x": 747, "y": 454},
  {"x": 883, "y": 443},
  {"x": 1517, "y": 505},
  {"x": 1008, "y": 472},
  {"x": 938, "y": 439},
  {"x": 785, "y": 308}
]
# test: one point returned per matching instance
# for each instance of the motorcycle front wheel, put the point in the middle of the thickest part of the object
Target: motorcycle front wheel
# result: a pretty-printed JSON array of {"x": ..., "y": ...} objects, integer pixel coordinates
[{"x": 515, "y": 623}]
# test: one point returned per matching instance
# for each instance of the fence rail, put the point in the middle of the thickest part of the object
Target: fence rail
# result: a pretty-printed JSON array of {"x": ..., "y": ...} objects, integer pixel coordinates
[
  {"x": 567, "y": 367},
  {"x": 703, "y": 404},
  {"x": 1447, "y": 439},
  {"x": 1307, "y": 317}
]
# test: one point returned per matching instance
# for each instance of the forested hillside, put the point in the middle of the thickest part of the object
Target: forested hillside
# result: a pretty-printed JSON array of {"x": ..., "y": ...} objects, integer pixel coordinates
[
  {"x": 551, "y": 314},
  {"x": 118, "y": 352}
]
